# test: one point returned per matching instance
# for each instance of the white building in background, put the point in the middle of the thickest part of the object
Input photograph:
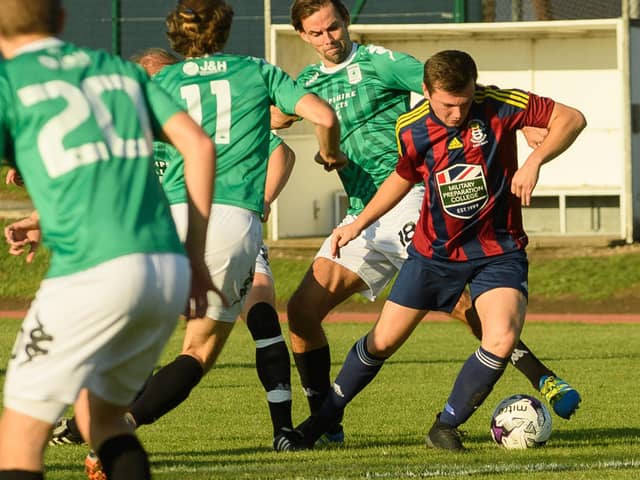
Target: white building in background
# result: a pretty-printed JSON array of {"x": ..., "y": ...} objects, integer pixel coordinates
[{"x": 594, "y": 65}]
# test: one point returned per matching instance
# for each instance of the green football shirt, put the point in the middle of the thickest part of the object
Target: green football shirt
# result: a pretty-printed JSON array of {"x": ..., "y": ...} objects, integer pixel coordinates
[
  {"x": 368, "y": 91},
  {"x": 77, "y": 125},
  {"x": 229, "y": 96},
  {"x": 168, "y": 160}
]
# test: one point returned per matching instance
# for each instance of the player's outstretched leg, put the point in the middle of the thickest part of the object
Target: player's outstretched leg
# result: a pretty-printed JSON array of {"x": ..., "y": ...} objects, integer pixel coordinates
[
  {"x": 562, "y": 397},
  {"x": 274, "y": 370},
  {"x": 167, "y": 389}
]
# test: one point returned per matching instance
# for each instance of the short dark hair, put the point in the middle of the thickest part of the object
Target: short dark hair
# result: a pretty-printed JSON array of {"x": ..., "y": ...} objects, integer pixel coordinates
[
  {"x": 302, "y": 9},
  {"x": 20, "y": 17},
  {"x": 449, "y": 70},
  {"x": 199, "y": 27}
]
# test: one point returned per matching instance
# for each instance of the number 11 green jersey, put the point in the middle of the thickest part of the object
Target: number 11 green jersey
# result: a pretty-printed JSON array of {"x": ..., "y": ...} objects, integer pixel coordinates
[{"x": 229, "y": 97}]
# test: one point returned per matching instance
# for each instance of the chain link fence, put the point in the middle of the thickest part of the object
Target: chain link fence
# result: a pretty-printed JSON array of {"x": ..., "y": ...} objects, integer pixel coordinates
[{"x": 141, "y": 24}]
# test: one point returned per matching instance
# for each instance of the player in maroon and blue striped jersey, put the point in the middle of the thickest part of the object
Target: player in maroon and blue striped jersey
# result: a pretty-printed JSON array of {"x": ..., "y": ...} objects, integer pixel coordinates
[{"x": 461, "y": 143}]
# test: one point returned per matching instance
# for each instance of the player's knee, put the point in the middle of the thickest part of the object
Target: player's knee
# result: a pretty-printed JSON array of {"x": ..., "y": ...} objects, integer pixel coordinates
[
  {"x": 381, "y": 347},
  {"x": 501, "y": 346},
  {"x": 303, "y": 315},
  {"x": 262, "y": 321}
]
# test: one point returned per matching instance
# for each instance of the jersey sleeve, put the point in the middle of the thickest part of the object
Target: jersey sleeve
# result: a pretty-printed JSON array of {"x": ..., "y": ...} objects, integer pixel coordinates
[
  {"x": 518, "y": 108},
  {"x": 284, "y": 92},
  {"x": 274, "y": 142},
  {"x": 407, "y": 154},
  {"x": 399, "y": 71},
  {"x": 538, "y": 112}
]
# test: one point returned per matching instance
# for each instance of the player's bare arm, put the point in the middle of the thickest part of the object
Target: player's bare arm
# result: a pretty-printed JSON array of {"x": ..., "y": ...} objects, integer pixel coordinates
[
  {"x": 388, "y": 195},
  {"x": 280, "y": 120},
  {"x": 327, "y": 125},
  {"x": 534, "y": 135},
  {"x": 279, "y": 168},
  {"x": 199, "y": 155},
  {"x": 565, "y": 125}
]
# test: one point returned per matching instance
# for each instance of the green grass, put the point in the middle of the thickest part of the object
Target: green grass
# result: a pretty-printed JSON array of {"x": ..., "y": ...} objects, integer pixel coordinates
[
  {"x": 605, "y": 280},
  {"x": 10, "y": 192},
  {"x": 222, "y": 431}
]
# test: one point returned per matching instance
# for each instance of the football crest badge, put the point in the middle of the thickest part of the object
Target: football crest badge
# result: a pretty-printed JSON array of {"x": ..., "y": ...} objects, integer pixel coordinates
[
  {"x": 463, "y": 190},
  {"x": 478, "y": 132},
  {"x": 354, "y": 73}
]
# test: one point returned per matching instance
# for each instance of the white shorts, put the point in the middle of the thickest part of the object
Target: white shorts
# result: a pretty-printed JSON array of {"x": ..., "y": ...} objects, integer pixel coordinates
[
  {"x": 234, "y": 238},
  {"x": 262, "y": 262},
  {"x": 103, "y": 328},
  {"x": 232, "y": 235},
  {"x": 380, "y": 250},
  {"x": 180, "y": 214}
]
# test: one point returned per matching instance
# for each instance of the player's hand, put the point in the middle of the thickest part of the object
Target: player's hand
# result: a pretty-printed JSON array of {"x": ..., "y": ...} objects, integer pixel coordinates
[
  {"x": 201, "y": 283},
  {"x": 534, "y": 135},
  {"x": 281, "y": 120},
  {"x": 332, "y": 162},
  {"x": 13, "y": 178},
  {"x": 341, "y": 236},
  {"x": 23, "y": 236},
  {"x": 524, "y": 181}
]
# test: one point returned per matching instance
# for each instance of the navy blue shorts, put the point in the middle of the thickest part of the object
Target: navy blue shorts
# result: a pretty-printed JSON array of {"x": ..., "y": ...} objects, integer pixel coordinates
[{"x": 428, "y": 284}]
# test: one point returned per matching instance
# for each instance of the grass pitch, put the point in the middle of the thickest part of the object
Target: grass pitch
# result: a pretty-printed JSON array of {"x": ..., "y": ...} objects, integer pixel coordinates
[{"x": 223, "y": 431}]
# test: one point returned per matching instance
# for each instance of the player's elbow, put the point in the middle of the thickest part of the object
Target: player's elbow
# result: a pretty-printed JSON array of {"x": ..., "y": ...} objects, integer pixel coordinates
[
  {"x": 317, "y": 111},
  {"x": 581, "y": 121}
]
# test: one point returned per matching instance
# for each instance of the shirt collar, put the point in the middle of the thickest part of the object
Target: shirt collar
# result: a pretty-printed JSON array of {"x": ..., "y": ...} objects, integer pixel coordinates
[
  {"x": 37, "y": 45},
  {"x": 340, "y": 66}
]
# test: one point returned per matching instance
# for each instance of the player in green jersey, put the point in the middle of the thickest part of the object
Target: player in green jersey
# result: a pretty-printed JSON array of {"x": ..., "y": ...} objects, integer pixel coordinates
[
  {"x": 272, "y": 355},
  {"x": 229, "y": 96},
  {"x": 369, "y": 86},
  {"x": 77, "y": 124}
]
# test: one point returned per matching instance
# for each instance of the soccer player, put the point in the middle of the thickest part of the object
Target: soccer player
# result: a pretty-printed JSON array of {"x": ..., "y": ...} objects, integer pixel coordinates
[
  {"x": 272, "y": 355},
  {"x": 469, "y": 231},
  {"x": 77, "y": 124},
  {"x": 369, "y": 87},
  {"x": 229, "y": 96}
]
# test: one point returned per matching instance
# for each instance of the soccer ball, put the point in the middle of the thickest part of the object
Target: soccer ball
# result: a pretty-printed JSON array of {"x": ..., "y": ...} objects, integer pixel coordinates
[{"x": 519, "y": 422}]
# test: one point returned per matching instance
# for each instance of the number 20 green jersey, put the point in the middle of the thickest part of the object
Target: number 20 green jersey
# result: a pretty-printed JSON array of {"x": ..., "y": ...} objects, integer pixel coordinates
[
  {"x": 229, "y": 96},
  {"x": 76, "y": 124},
  {"x": 368, "y": 91}
]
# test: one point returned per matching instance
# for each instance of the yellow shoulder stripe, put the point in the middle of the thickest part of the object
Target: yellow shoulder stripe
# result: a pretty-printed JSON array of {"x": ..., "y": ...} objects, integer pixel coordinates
[
  {"x": 510, "y": 97},
  {"x": 408, "y": 118}
]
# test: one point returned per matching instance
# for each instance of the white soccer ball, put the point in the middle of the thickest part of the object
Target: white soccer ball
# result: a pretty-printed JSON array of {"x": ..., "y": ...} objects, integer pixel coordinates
[{"x": 521, "y": 421}]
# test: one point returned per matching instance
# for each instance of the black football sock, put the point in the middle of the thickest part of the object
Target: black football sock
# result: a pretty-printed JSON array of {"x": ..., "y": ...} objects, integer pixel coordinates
[
  {"x": 272, "y": 363},
  {"x": 20, "y": 475},
  {"x": 524, "y": 360},
  {"x": 474, "y": 383},
  {"x": 358, "y": 370},
  {"x": 314, "y": 368},
  {"x": 167, "y": 389},
  {"x": 73, "y": 428},
  {"x": 124, "y": 458}
]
